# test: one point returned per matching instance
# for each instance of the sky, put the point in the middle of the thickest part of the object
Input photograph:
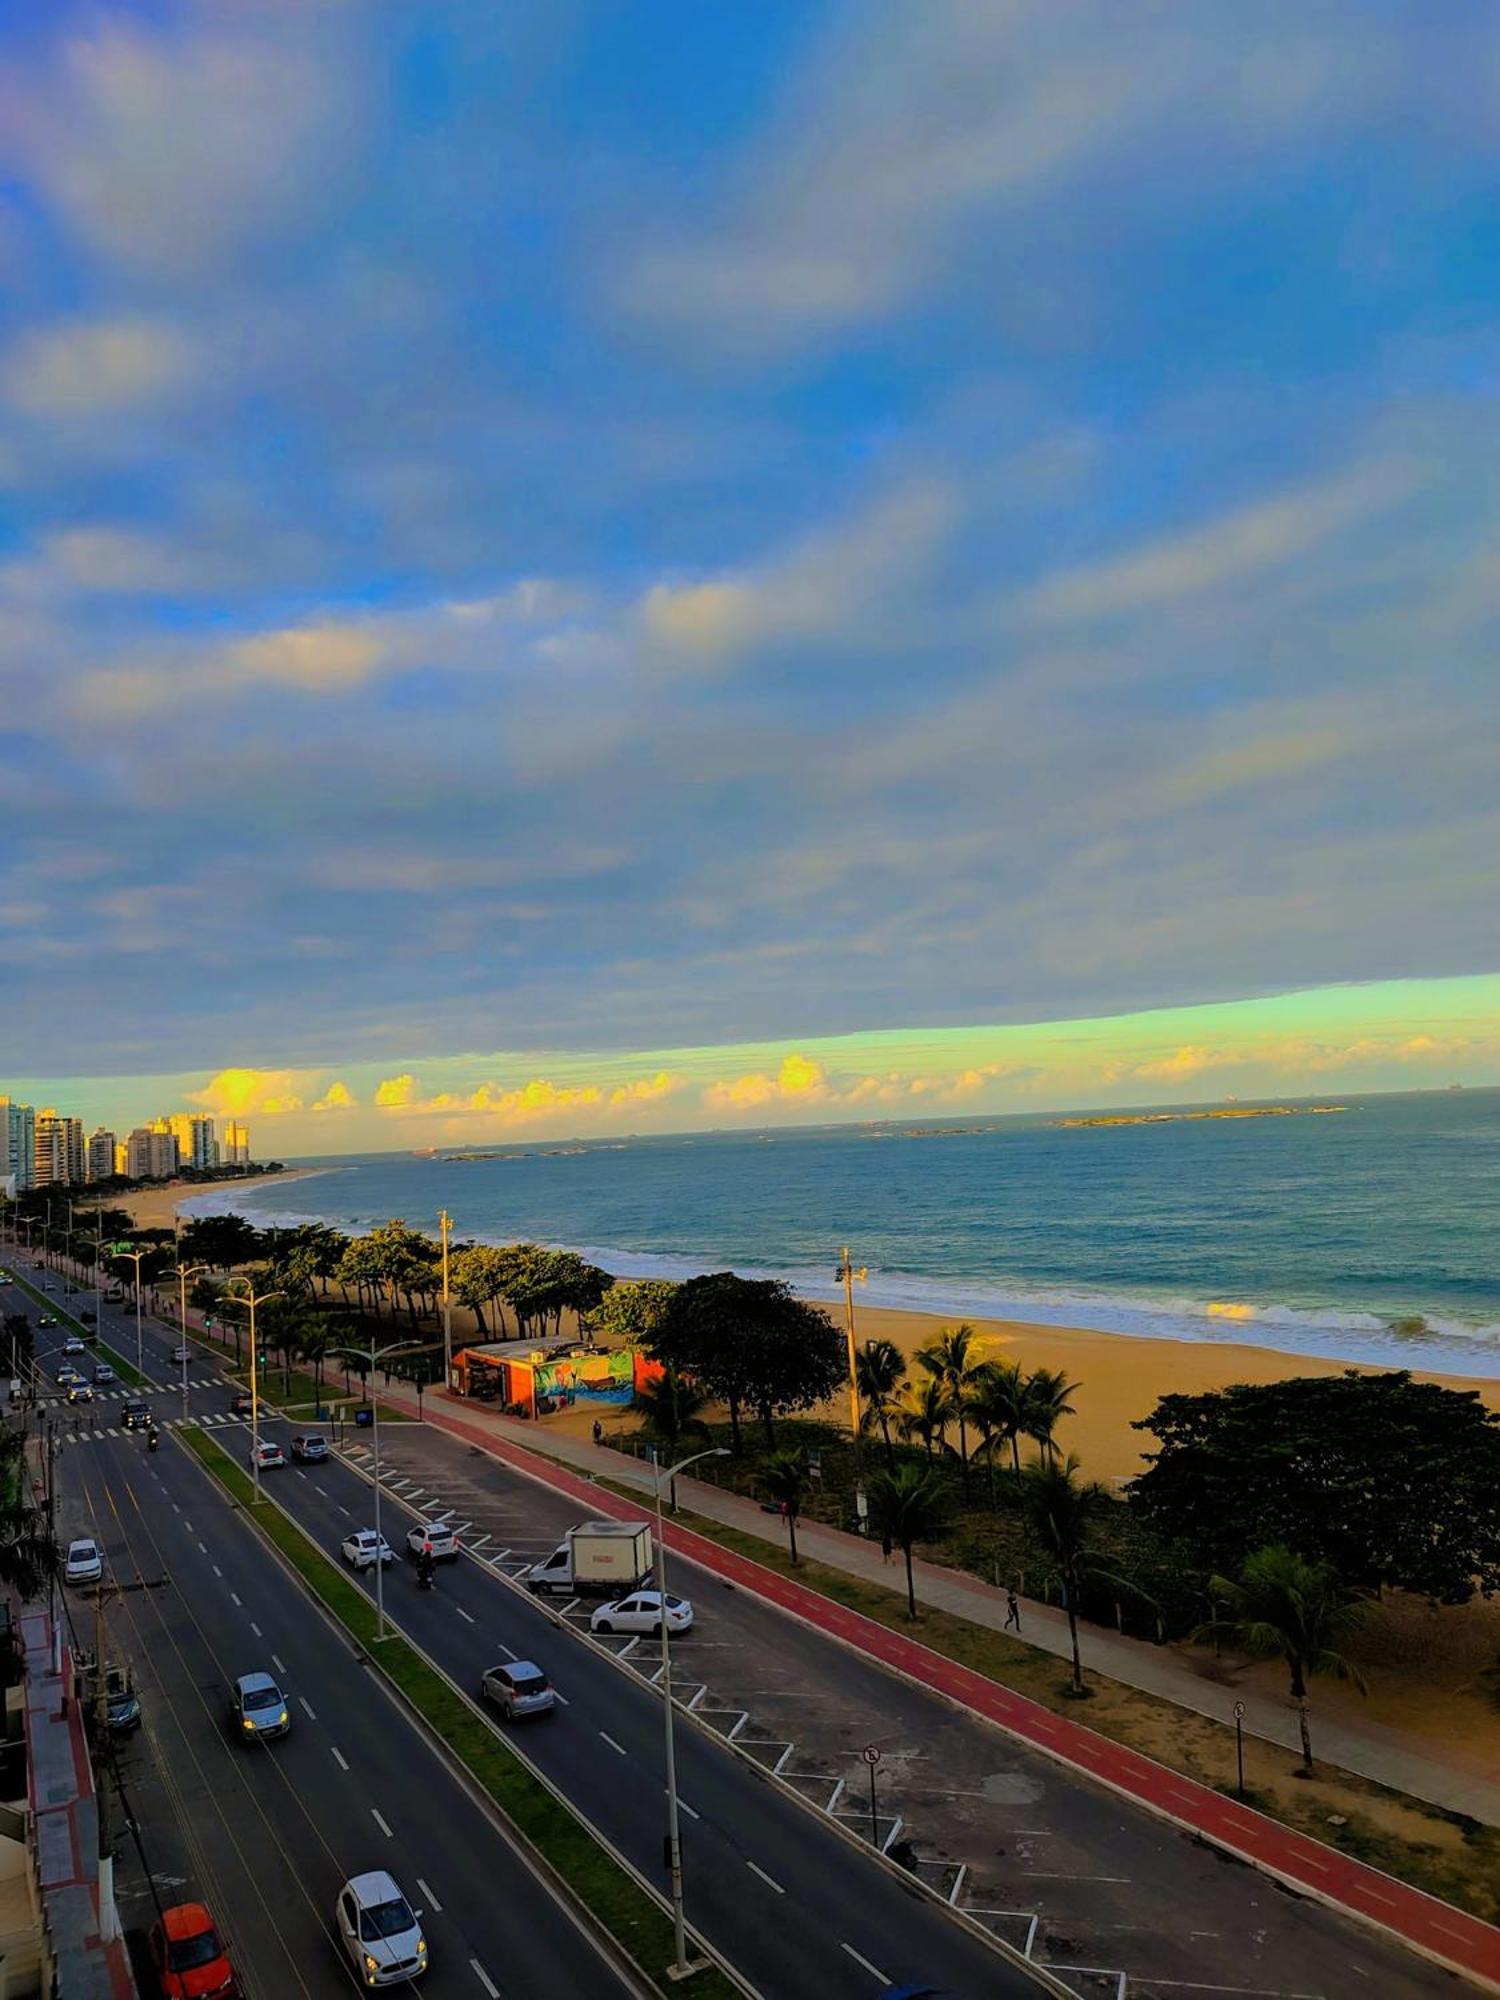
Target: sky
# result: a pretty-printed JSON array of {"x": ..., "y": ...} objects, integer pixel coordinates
[{"x": 659, "y": 544}]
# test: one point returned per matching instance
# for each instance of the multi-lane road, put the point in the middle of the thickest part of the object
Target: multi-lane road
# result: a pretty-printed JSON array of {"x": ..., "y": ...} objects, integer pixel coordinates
[{"x": 779, "y": 1891}]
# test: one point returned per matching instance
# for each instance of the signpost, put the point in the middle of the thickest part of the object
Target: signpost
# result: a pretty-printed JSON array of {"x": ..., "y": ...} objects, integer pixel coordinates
[
  {"x": 1239, "y": 1746},
  {"x": 871, "y": 1755}
]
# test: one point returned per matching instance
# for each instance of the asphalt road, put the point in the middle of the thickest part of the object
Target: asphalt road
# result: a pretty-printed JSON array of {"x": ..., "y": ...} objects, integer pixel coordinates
[
  {"x": 1112, "y": 1886},
  {"x": 266, "y": 1834}
]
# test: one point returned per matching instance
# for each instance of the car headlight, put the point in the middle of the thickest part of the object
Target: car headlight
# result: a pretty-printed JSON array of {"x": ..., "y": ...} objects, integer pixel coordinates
[
  {"x": 283, "y": 1717},
  {"x": 371, "y": 1964},
  {"x": 421, "y": 1947},
  {"x": 246, "y": 1722}
]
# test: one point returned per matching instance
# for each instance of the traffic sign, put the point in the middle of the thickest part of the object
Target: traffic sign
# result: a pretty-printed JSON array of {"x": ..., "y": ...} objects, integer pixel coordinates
[{"x": 871, "y": 1754}]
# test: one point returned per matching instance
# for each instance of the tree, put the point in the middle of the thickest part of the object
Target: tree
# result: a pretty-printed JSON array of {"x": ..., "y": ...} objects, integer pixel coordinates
[
  {"x": 925, "y": 1410},
  {"x": 953, "y": 1358},
  {"x": 632, "y": 1310},
  {"x": 783, "y": 1476},
  {"x": 1393, "y": 1482},
  {"x": 1047, "y": 1393},
  {"x": 671, "y": 1407},
  {"x": 1006, "y": 1390},
  {"x": 28, "y": 1553},
  {"x": 224, "y": 1241},
  {"x": 1283, "y": 1604},
  {"x": 477, "y": 1274},
  {"x": 991, "y": 1409},
  {"x": 879, "y": 1375},
  {"x": 1060, "y": 1513},
  {"x": 907, "y": 1506},
  {"x": 750, "y": 1344}
]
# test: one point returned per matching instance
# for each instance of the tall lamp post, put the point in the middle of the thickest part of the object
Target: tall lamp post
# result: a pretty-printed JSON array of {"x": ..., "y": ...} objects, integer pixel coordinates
[
  {"x": 661, "y": 1477},
  {"x": 847, "y": 1275},
  {"x": 445, "y": 1225},
  {"x": 372, "y": 1355},
  {"x": 123, "y": 1250},
  {"x": 252, "y": 1298},
  {"x": 182, "y": 1277}
]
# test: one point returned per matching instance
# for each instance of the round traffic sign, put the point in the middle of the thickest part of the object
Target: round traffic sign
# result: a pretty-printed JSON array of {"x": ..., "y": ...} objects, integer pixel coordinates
[{"x": 871, "y": 1753}]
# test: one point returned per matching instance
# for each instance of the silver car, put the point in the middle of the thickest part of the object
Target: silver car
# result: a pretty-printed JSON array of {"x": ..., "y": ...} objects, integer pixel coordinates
[
  {"x": 258, "y": 1708},
  {"x": 519, "y": 1688}
]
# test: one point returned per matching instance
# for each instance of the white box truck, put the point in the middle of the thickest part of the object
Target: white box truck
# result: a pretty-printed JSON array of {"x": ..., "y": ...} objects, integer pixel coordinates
[{"x": 601, "y": 1558}]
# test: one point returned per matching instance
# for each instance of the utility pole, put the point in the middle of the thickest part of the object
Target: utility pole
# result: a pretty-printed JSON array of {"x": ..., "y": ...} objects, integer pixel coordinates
[
  {"x": 445, "y": 1224},
  {"x": 253, "y": 1299},
  {"x": 846, "y": 1274},
  {"x": 107, "y": 1917}
]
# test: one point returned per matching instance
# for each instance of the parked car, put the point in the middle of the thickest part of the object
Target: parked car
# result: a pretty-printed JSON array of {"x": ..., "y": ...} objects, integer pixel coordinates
[
  {"x": 268, "y": 1455},
  {"x": 380, "y": 1930},
  {"x": 83, "y": 1563},
  {"x": 72, "y": 1345},
  {"x": 103, "y": 1373},
  {"x": 135, "y": 1414},
  {"x": 188, "y": 1956},
  {"x": 240, "y": 1404},
  {"x": 182, "y": 1352},
  {"x": 518, "y": 1687},
  {"x": 80, "y": 1392},
  {"x": 259, "y": 1708},
  {"x": 432, "y": 1538},
  {"x": 122, "y": 1707},
  {"x": 309, "y": 1447},
  {"x": 642, "y": 1612},
  {"x": 364, "y": 1548}
]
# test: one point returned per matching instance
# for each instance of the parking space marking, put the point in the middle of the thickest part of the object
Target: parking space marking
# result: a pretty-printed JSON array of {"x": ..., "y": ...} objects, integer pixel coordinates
[
  {"x": 380, "y": 1822},
  {"x": 860, "y": 1959},
  {"x": 769, "y": 1880},
  {"x": 429, "y": 1899},
  {"x": 338, "y": 1757}
]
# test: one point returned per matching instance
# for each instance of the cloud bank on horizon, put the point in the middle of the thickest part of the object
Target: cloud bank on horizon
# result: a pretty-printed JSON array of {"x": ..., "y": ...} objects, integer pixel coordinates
[{"x": 549, "y": 527}]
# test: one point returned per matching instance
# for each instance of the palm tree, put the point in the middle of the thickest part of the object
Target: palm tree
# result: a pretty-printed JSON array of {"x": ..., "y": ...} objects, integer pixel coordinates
[
  {"x": 879, "y": 1375},
  {"x": 990, "y": 1409},
  {"x": 1047, "y": 1394},
  {"x": 783, "y": 1476},
  {"x": 952, "y": 1357},
  {"x": 925, "y": 1410},
  {"x": 1006, "y": 1389},
  {"x": 1060, "y": 1511},
  {"x": 671, "y": 1406},
  {"x": 908, "y": 1506},
  {"x": 1285, "y": 1604}
]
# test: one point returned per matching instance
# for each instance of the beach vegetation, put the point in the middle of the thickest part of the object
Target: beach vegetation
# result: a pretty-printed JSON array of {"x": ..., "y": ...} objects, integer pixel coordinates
[
  {"x": 1047, "y": 1402},
  {"x": 1283, "y": 1606},
  {"x": 1392, "y": 1482},
  {"x": 785, "y": 1477},
  {"x": 955, "y": 1357},
  {"x": 632, "y": 1309},
  {"x": 879, "y": 1376},
  {"x": 672, "y": 1409},
  {"x": 1063, "y": 1512},
  {"x": 925, "y": 1410},
  {"x": 750, "y": 1344}
]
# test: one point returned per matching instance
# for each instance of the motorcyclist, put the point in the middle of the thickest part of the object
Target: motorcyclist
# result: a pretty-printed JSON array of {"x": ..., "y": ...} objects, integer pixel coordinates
[
  {"x": 426, "y": 1570},
  {"x": 153, "y": 1438}
]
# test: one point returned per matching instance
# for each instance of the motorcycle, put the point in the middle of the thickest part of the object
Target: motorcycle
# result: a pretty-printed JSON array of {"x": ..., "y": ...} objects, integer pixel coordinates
[
  {"x": 426, "y": 1573},
  {"x": 153, "y": 1440}
]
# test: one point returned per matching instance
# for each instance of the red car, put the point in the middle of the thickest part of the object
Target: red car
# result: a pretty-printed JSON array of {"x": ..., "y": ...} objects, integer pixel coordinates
[
  {"x": 189, "y": 1958},
  {"x": 239, "y": 1403}
]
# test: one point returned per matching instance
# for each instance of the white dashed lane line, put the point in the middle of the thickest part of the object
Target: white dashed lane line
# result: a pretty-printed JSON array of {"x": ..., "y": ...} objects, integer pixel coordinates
[
  {"x": 769, "y": 1880},
  {"x": 428, "y": 1898},
  {"x": 484, "y": 1979},
  {"x": 278, "y": 1663},
  {"x": 465, "y": 1614},
  {"x": 860, "y": 1959},
  {"x": 613, "y": 1745},
  {"x": 256, "y": 1630},
  {"x": 235, "y": 1599},
  {"x": 338, "y": 1757},
  {"x": 312, "y": 1713},
  {"x": 380, "y": 1822}
]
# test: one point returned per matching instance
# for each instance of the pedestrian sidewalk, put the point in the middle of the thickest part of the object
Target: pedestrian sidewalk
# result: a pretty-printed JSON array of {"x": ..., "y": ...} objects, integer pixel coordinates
[
  {"x": 1383, "y": 1755},
  {"x": 1437, "y": 1930}
]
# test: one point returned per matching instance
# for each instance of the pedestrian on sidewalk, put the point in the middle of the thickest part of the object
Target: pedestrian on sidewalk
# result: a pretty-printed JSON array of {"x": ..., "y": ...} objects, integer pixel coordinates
[
  {"x": 1012, "y": 1609},
  {"x": 598, "y": 1432}
]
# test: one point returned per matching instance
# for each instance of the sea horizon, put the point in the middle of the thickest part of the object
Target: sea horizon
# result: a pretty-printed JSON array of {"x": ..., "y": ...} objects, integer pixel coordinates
[{"x": 1360, "y": 1237}]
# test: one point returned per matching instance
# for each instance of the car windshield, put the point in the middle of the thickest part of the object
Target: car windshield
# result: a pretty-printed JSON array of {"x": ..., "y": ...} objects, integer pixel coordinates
[
  {"x": 183, "y": 1954},
  {"x": 529, "y": 1683},
  {"x": 386, "y": 1920},
  {"x": 82, "y": 1552},
  {"x": 268, "y": 1697}
]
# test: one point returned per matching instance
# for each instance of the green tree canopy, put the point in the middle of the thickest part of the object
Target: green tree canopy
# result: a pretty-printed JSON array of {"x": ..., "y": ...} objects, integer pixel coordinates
[
  {"x": 1391, "y": 1481},
  {"x": 632, "y": 1309},
  {"x": 751, "y": 1345}
]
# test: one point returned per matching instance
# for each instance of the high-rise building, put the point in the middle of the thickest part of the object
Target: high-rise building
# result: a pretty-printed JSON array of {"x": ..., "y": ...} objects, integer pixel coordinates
[
  {"x": 194, "y": 1131},
  {"x": 234, "y": 1147},
  {"x": 122, "y": 1159},
  {"x": 17, "y": 1143},
  {"x": 60, "y": 1153},
  {"x": 151, "y": 1156},
  {"x": 101, "y": 1155}
]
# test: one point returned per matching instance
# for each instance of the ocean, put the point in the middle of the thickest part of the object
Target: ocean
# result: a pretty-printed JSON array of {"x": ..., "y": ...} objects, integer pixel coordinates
[{"x": 1365, "y": 1235}]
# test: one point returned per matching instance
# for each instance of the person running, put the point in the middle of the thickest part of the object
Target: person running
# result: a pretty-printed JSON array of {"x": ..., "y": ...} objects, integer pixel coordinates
[{"x": 1012, "y": 1609}]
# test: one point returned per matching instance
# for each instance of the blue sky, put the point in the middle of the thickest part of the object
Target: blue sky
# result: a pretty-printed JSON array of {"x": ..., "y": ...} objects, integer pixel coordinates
[{"x": 578, "y": 528}]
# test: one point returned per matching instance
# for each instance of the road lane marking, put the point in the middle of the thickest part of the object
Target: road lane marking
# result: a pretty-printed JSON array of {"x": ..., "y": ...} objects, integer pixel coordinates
[
  {"x": 613, "y": 1745},
  {"x": 203, "y": 1548},
  {"x": 465, "y": 1614},
  {"x": 769, "y": 1880},
  {"x": 427, "y": 1896},
  {"x": 682, "y": 1804},
  {"x": 234, "y": 1598},
  {"x": 860, "y": 1959},
  {"x": 320, "y": 1489},
  {"x": 338, "y": 1757},
  {"x": 381, "y": 1824},
  {"x": 256, "y": 1630},
  {"x": 509, "y": 1654},
  {"x": 278, "y": 1664},
  {"x": 312, "y": 1713},
  {"x": 216, "y": 1570},
  {"x": 484, "y": 1979}
]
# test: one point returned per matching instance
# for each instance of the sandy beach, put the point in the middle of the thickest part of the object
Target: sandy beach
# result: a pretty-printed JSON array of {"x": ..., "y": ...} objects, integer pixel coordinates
[{"x": 156, "y": 1207}]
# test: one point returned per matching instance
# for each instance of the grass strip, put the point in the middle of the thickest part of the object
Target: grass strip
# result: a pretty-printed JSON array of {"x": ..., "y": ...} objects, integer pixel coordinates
[
  {"x": 128, "y": 1374},
  {"x": 1447, "y": 1854},
  {"x": 633, "y": 1919}
]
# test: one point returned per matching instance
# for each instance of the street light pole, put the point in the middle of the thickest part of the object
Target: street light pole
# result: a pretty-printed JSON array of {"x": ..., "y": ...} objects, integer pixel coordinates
[
  {"x": 680, "y": 1967},
  {"x": 372, "y": 1355},
  {"x": 253, "y": 1299},
  {"x": 445, "y": 1225},
  {"x": 182, "y": 1277},
  {"x": 116, "y": 1250}
]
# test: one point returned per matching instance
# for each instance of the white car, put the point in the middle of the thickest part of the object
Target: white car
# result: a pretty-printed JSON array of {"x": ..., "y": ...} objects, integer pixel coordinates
[
  {"x": 84, "y": 1563},
  {"x": 364, "y": 1548},
  {"x": 642, "y": 1612},
  {"x": 268, "y": 1456},
  {"x": 182, "y": 1353},
  {"x": 72, "y": 1345},
  {"x": 380, "y": 1930},
  {"x": 67, "y": 1375},
  {"x": 432, "y": 1538}
]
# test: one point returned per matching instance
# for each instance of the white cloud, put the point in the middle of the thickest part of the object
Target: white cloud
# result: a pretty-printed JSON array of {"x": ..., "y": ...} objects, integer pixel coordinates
[{"x": 83, "y": 368}]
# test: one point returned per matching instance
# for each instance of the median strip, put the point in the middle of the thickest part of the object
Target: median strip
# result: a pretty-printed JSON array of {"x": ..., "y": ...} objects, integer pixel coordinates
[{"x": 639, "y": 1925}]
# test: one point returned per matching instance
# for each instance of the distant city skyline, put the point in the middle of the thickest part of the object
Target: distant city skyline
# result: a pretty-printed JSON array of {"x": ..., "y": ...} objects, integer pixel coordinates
[{"x": 1391, "y": 1036}]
